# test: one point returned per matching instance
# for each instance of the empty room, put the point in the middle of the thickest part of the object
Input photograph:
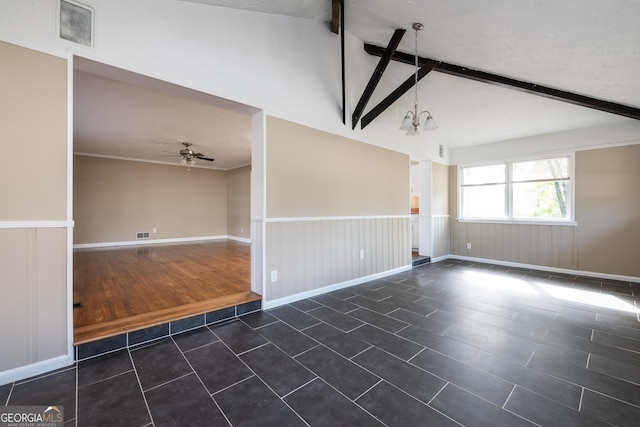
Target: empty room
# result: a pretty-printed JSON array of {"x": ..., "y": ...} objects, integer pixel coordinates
[
  {"x": 329, "y": 212},
  {"x": 160, "y": 229}
]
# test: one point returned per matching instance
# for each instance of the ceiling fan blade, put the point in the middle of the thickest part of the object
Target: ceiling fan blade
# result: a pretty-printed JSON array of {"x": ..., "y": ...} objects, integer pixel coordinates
[{"x": 204, "y": 158}]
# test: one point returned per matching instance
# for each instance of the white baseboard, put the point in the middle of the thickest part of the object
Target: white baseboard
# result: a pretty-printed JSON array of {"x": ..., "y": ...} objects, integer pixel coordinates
[
  {"x": 329, "y": 288},
  {"x": 239, "y": 239},
  {"x": 36, "y": 224},
  {"x": 440, "y": 258},
  {"x": 33, "y": 369},
  {"x": 543, "y": 268},
  {"x": 148, "y": 242}
]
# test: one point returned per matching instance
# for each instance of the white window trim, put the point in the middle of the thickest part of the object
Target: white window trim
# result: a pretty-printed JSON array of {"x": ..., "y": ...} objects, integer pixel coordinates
[{"x": 570, "y": 221}]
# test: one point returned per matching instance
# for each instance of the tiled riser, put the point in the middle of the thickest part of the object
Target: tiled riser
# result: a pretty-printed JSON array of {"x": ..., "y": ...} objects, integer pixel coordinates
[
  {"x": 420, "y": 261},
  {"x": 130, "y": 339}
]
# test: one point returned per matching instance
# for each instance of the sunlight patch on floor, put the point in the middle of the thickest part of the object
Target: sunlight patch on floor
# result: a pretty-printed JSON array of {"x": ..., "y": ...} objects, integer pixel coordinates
[
  {"x": 509, "y": 284},
  {"x": 590, "y": 298}
]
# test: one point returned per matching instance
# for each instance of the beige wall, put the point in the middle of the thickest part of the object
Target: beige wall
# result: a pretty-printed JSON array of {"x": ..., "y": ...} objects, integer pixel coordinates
[
  {"x": 441, "y": 220},
  {"x": 313, "y": 179},
  {"x": 606, "y": 239},
  {"x": 311, "y": 173},
  {"x": 239, "y": 202},
  {"x": 440, "y": 191},
  {"x": 608, "y": 210},
  {"x": 114, "y": 199},
  {"x": 33, "y": 134},
  {"x": 33, "y": 190}
]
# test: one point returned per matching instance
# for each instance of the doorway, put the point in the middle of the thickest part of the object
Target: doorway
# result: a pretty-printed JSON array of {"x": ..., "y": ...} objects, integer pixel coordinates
[{"x": 193, "y": 256}]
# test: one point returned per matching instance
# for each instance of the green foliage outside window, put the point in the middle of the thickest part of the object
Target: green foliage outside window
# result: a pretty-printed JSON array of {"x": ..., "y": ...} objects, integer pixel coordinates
[{"x": 535, "y": 189}]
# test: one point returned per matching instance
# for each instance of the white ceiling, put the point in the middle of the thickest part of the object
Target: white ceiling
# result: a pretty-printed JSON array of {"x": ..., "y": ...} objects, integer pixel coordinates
[
  {"x": 138, "y": 117},
  {"x": 588, "y": 47}
]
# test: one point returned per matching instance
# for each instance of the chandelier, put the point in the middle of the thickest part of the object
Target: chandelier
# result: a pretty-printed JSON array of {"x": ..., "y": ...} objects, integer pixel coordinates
[{"x": 411, "y": 121}]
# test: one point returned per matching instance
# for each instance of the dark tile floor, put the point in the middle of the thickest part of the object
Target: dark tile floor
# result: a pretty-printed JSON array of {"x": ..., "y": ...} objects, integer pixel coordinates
[{"x": 451, "y": 343}]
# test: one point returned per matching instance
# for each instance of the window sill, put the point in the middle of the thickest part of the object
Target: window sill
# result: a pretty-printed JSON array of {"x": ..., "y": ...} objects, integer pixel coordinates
[{"x": 518, "y": 222}]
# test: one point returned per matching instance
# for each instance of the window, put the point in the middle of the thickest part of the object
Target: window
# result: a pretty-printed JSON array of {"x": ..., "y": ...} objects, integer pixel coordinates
[{"x": 531, "y": 190}]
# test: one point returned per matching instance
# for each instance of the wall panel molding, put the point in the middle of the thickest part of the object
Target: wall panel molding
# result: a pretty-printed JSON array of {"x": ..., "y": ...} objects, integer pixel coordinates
[
  {"x": 544, "y": 245},
  {"x": 314, "y": 254},
  {"x": 33, "y": 262},
  {"x": 441, "y": 234}
]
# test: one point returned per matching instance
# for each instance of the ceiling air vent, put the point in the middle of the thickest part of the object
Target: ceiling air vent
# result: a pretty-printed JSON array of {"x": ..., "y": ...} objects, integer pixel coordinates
[
  {"x": 142, "y": 235},
  {"x": 76, "y": 22}
]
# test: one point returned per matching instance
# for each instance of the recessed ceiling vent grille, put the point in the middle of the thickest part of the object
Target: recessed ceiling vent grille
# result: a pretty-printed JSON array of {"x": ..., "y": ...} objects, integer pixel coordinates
[
  {"x": 76, "y": 22},
  {"x": 142, "y": 235}
]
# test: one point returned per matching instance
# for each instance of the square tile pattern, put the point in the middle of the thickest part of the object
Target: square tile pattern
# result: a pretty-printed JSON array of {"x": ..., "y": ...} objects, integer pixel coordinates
[{"x": 451, "y": 343}]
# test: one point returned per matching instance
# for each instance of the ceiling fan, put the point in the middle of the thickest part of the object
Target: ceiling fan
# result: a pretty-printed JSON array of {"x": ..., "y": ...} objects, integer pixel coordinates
[{"x": 188, "y": 156}]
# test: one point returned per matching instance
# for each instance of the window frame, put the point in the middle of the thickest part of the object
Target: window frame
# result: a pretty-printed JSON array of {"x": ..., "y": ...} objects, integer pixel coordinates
[{"x": 508, "y": 208}]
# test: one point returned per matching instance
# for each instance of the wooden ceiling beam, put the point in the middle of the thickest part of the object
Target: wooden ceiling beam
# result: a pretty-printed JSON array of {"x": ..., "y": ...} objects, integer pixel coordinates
[
  {"x": 385, "y": 58},
  {"x": 335, "y": 16},
  {"x": 507, "y": 82}
]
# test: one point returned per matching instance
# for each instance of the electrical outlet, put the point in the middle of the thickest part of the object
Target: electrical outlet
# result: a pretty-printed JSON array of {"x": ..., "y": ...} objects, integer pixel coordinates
[
  {"x": 242, "y": 229},
  {"x": 361, "y": 253},
  {"x": 468, "y": 245},
  {"x": 155, "y": 230},
  {"x": 274, "y": 276}
]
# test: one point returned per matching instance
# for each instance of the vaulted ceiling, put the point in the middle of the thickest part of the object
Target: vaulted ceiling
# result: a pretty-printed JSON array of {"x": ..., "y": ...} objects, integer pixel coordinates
[{"x": 589, "y": 48}]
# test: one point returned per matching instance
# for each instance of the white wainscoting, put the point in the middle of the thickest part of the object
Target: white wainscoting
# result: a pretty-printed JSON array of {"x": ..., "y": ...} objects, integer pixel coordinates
[
  {"x": 34, "y": 327},
  {"x": 314, "y": 253},
  {"x": 542, "y": 245},
  {"x": 441, "y": 232}
]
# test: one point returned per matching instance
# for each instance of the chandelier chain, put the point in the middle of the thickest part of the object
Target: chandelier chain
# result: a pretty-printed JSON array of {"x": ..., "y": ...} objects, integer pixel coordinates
[
  {"x": 416, "y": 65},
  {"x": 411, "y": 120}
]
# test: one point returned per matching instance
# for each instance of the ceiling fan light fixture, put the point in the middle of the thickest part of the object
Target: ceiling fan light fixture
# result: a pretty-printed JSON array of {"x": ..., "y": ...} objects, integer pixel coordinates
[
  {"x": 188, "y": 156},
  {"x": 185, "y": 161}
]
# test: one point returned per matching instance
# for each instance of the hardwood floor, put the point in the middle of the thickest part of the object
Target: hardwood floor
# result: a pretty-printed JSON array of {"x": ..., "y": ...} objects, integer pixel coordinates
[{"x": 124, "y": 289}]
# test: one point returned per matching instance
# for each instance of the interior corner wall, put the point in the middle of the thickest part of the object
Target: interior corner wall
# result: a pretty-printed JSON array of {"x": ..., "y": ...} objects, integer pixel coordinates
[
  {"x": 329, "y": 200},
  {"x": 606, "y": 240},
  {"x": 608, "y": 210},
  {"x": 33, "y": 213},
  {"x": 239, "y": 202},
  {"x": 441, "y": 220},
  {"x": 115, "y": 199}
]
